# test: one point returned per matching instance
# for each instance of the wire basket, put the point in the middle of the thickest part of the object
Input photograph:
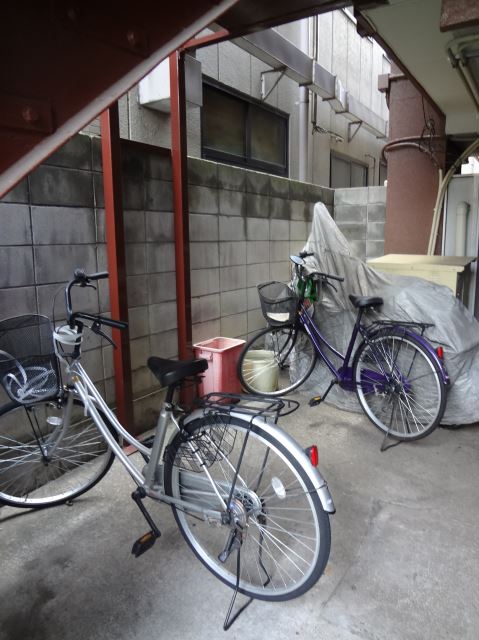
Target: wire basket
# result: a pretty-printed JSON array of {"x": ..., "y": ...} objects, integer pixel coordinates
[
  {"x": 215, "y": 440},
  {"x": 28, "y": 364},
  {"x": 279, "y": 303}
]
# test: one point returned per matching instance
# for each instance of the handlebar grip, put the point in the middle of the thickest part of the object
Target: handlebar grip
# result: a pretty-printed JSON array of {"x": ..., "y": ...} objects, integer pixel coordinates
[
  {"x": 100, "y": 275},
  {"x": 116, "y": 324},
  {"x": 328, "y": 276},
  {"x": 81, "y": 276}
]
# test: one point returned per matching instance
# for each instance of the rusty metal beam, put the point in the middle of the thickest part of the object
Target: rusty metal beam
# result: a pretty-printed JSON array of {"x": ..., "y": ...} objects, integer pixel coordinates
[
  {"x": 115, "y": 244},
  {"x": 459, "y": 14},
  {"x": 180, "y": 203}
]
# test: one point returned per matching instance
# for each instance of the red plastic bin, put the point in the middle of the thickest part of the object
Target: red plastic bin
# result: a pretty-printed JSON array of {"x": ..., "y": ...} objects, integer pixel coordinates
[{"x": 222, "y": 355}]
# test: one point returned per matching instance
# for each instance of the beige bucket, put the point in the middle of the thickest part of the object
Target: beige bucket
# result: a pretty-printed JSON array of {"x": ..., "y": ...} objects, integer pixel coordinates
[{"x": 261, "y": 368}]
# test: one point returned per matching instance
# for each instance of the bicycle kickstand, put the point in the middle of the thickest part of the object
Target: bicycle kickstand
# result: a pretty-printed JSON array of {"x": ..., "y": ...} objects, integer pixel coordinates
[
  {"x": 315, "y": 400},
  {"x": 147, "y": 540}
]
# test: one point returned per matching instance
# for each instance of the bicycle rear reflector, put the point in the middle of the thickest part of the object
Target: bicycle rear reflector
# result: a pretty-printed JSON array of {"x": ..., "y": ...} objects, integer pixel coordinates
[
  {"x": 278, "y": 487},
  {"x": 312, "y": 453},
  {"x": 440, "y": 353}
]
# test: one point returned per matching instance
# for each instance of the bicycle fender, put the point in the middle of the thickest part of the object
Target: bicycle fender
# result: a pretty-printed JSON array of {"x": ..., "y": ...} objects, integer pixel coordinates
[
  {"x": 432, "y": 352},
  {"x": 284, "y": 439}
]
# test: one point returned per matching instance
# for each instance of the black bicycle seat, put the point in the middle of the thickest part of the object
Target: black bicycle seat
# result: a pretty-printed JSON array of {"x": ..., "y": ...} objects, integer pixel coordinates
[
  {"x": 365, "y": 301},
  {"x": 170, "y": 372}
]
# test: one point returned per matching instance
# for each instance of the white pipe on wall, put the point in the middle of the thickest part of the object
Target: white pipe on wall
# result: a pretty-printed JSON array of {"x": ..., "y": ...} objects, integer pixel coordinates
[
  {"x": 462, "y": 210},
  {"x": 303, "y": 110}
]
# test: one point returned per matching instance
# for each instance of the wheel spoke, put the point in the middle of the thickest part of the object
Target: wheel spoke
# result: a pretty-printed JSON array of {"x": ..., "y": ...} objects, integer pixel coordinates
[
  {"x": 71, "y": 459},
  {"x": 398, "y": 386},
  {"x": 283, "y": 531}
]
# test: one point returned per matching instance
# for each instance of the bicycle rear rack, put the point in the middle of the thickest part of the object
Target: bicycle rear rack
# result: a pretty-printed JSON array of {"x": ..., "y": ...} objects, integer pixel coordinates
[
  {"x": 255, "y": 406},
  {"x": 377, "y": 325}
]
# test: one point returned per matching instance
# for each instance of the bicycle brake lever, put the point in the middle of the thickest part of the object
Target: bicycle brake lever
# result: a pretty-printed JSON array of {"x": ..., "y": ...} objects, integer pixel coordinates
[
  {"x": 330, "y": 284},
  {"x": 95, "y": 327}
]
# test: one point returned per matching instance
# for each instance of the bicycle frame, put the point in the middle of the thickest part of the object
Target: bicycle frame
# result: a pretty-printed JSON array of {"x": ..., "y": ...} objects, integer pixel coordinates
[
  {"x": 344, "y": 374},
  {"x": 151, "y": 478}
]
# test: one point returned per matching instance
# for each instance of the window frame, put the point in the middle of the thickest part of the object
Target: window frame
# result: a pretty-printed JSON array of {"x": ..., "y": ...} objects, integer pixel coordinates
[
  {"x": 350, "y": 160},
  {"x": 247, "y": 161}
]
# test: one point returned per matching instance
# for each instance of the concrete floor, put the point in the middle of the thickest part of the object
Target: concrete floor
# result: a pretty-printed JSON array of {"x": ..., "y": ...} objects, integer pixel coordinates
[{"x": 404, "y": 560}]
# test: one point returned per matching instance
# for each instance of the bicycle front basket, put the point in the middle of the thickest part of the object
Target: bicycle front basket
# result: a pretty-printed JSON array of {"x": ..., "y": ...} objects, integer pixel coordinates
[
  {"x": 28, "y": 364},
  {"x": 278, "y": 303}
]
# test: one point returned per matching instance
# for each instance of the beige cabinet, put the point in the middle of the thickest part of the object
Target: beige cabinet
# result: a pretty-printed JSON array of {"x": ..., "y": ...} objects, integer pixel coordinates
[{"x": 450, "y": 271}]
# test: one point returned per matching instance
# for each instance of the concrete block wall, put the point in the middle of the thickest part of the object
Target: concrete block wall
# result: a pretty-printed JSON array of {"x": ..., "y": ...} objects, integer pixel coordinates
[
  {"x": 54, "y": 221},
  {"x": 361, "y": 215},
  {"x": 243, "y": 227}
]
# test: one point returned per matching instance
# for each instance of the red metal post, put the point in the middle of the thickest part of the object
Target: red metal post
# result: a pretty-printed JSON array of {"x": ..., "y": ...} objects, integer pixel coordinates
[
  {"x": 180, "y": 203},
  {"x": 115, "y": 245}
]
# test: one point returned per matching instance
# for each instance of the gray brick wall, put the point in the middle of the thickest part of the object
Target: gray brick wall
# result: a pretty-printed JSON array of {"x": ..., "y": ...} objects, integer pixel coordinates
[
  {"x": 243, "y": 227},
  {"x": 360, "y": 214}
]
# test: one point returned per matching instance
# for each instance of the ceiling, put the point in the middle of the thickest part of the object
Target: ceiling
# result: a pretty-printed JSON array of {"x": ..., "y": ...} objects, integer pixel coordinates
[{"x": 411, "y": 30}]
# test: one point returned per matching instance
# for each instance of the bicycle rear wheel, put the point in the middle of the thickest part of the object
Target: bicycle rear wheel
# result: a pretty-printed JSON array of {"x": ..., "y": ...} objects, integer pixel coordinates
[
  {"x": 43, "y": 462},
  {"x": 399, "y": 386},
  {"x": 286, "y": 533},
  {"x": 276, "y": 361}
]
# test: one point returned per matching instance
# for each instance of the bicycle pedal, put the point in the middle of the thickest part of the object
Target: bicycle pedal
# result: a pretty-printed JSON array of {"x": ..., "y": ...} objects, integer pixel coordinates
[
  {"x": 315, "y": 400},
  {"x": 144, "y": 543}
]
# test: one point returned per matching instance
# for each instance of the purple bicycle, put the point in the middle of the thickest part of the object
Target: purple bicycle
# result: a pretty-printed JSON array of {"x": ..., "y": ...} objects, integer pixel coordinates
[{"x": 400, "y": 379}]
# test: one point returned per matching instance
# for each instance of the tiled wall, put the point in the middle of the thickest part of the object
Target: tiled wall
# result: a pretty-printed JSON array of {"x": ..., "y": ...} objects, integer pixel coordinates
[{"x": 243, "y": 226}]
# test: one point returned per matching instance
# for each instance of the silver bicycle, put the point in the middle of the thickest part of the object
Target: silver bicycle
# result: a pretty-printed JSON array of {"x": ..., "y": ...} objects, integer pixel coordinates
[{"x": 246, "y": 497}]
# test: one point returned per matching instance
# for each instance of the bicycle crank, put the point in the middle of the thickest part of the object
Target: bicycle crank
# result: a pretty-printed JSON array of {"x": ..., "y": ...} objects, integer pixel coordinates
[{"x": 147, "y": 540}]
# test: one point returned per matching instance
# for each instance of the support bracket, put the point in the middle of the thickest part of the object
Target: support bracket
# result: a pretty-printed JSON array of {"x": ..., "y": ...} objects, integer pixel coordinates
[
  {"x": 265, "y": 95},
  {"x": 358, "y": 124}
]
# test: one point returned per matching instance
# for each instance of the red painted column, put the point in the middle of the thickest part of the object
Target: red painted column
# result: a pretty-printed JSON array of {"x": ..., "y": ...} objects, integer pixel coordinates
[
  {"x": 180, "y": 203},
  {"x": 412, "y": 178},
  {"x": 115, "y": 244}
]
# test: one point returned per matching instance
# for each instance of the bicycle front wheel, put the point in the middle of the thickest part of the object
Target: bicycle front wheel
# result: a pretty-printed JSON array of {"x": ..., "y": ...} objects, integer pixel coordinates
[
  {"x": 285, "y": 531},
  {"x": 399, "y": 386},
  {"x": 276, "y": 361},
  {"x": 44, "y": 462}
]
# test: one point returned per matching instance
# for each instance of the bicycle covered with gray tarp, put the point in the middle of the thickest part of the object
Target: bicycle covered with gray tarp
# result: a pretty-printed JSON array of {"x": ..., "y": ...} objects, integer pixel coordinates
[{"x": 406, "y": 298}]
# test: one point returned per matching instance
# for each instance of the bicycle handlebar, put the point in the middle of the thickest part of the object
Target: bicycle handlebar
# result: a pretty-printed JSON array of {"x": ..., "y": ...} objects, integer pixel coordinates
[
  {"x": 299, "y": 264},
  {"x": 82, "y": 279},
  {"x": 329, "y": 276}
]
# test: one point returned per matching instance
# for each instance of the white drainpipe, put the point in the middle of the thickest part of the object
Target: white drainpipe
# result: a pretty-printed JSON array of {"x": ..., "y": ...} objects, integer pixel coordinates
[{"x": 303, "y": 109}]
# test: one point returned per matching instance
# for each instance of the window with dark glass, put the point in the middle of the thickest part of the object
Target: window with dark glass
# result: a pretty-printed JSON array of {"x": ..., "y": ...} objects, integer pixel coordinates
[
  {"x": 346, "y": 172},
  {"x": 239, "y": 130}
]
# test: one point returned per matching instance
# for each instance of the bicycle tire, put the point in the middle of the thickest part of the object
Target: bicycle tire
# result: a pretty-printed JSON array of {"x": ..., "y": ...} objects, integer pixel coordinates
[
  {"x": 293, "y": 355},
  {"x": 286, "y": 519},
  {"x": 399, "y": 385},
  {"x": 78, "y": 460}
]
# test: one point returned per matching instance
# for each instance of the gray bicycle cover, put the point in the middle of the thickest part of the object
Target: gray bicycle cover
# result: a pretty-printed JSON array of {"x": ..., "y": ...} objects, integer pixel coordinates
[{"x": 405, "y": 298}]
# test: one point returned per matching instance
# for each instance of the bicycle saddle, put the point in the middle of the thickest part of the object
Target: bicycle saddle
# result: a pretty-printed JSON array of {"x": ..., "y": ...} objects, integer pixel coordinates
[
  {"x": 365, "y": 301},
  {"x": 170, "y": 372}
]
